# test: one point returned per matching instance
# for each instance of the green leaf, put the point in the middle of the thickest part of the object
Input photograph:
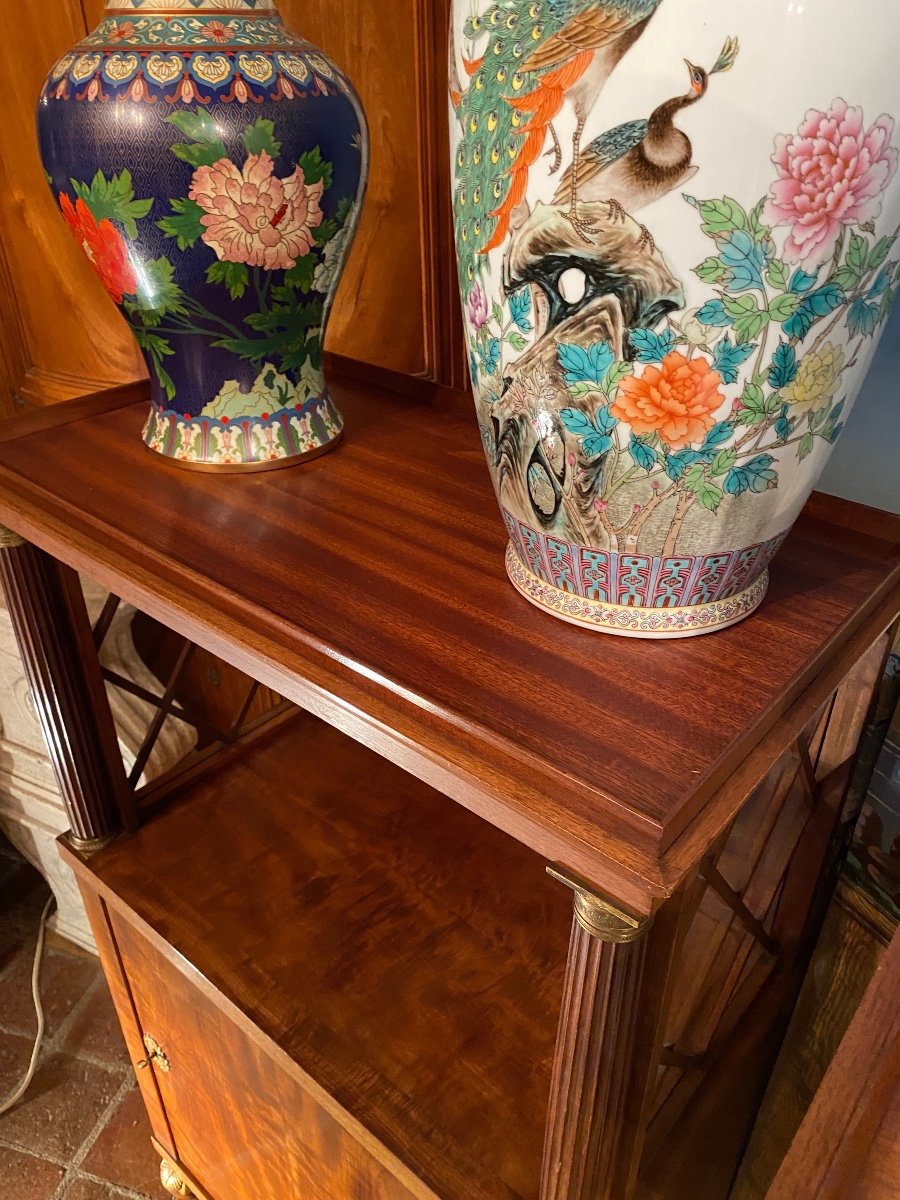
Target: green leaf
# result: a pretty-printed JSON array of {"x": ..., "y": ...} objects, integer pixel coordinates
[
  {"x": 113, "y": 199},
  {"x": 261, "y": 136},
  {"x": 326, "y": 232},
  {"x": 301, "y": 274},
  {"x": 710, "y": 496},
  {"x": 846, "y": 278},
  {"x": 739, "y": 306},
  {"x": 235, "y": 276},
  {"x": 778, "y": 274},
  {"x": 783, "y": 307},
  {"x": 818, "y": 419},
  {"x": 184, "y": 223},
  {"x": 756, "y": 476},
  {"x": 497, "y": 313},
  {"x": 196, "y": 124},
  {"x": 614, "y": 376},
  {"x": 760, "y": 232},
  {"x": 720, "y": 216},
  {"x": 749, "y": 319},
  {"x": 166, "y": 382},
  {"x": 314, "y": 167},
  {"x": 879, "y": 253},
  {"x": 344, "y": 210},
  {"x": 806, "y": 445},
  {"x": 516, "y": 340},
  {"x": 695, "y": 477},
  {"x": 207, "y": 147},
  {"x": 710, "y": 270},
  {"x": 197, "y": 154},
  {"x": 723, "y": 462},
  {"x": 158, "y": 295},
  {"x": 584, "y": 388},
  {"x": 748, "y": 328},
  {"x": 290, "y": 335},
  {"x": 152, "y": 342},
  {"x": 157, "y": 348},
  {"x": 756, "y": 407},
  {"x": 857, "y": 253}
]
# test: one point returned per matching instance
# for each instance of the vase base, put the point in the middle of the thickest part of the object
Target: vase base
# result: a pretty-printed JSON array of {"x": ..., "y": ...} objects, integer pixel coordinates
[
  {"x": 244, "y": 468},
  {"x": 628, "y": 621}
]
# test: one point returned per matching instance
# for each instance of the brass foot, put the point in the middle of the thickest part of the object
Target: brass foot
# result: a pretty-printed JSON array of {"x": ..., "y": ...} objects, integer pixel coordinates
[{"x": 172, "y": 1180}]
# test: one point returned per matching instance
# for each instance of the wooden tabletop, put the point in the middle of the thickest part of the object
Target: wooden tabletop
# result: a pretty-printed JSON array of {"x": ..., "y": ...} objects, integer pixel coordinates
[{"x": 369, "y": 587}]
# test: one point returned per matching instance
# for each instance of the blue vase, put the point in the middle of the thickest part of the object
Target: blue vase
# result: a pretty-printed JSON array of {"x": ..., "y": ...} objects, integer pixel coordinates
[{"x": 212, "y": 166}]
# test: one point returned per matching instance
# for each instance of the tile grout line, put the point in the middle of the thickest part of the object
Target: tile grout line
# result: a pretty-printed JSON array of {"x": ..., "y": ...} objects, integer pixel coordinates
[
  {"x": 55, "y": 1045},
  {"x": 88, "y": 1144}
]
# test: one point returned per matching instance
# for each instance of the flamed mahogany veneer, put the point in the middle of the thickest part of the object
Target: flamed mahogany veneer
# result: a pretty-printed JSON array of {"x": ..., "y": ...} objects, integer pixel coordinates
[{"x": 335, "y": 951}]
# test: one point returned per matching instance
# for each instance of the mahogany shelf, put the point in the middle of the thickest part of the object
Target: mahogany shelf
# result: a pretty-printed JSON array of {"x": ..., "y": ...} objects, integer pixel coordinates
[
  {"x": 399, "y": 951},
  {"x": 338, "y": 956},
  {"x": 369, "y": 587}
]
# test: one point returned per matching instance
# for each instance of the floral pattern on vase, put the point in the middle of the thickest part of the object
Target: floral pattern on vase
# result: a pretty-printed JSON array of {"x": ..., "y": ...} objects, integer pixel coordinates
[
  {"x": 216, "y": 190},
  {"x": 659, "y": 370}
]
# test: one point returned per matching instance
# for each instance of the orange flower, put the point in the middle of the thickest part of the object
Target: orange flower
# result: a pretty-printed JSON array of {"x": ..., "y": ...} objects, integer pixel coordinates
[
  {"x": 675, "y": 400},
  {"x": 104, "y": 246}
]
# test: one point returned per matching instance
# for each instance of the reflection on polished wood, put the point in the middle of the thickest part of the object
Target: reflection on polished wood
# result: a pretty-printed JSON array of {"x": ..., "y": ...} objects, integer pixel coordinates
[{"x": 366, "y": 956}]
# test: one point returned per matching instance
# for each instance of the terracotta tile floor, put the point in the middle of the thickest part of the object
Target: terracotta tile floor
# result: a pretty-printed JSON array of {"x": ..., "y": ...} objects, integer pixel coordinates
[{"x": 80, "y": 1132}]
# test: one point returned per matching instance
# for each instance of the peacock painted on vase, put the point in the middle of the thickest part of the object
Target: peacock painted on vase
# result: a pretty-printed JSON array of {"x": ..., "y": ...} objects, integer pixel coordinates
[
  {"x": 530, "y": 57},
  {"x": 635, "y": 163}
]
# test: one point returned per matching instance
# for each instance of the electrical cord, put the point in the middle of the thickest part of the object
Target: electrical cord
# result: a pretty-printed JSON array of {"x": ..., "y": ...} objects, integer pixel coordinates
[{"x": 38, "y": 1008}]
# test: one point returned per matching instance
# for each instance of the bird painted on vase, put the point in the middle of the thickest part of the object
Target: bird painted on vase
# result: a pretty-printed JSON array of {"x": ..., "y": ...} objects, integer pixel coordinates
[
  {"x": 539, "y": 53},
  {"x": 632, "y": 165}
]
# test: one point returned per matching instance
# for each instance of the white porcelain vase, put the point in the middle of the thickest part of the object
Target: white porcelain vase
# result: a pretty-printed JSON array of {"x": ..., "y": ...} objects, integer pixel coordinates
[{"x": 676, "y": 223}]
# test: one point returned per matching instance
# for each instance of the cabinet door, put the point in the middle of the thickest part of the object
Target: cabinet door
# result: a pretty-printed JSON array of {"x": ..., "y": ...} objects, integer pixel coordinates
[{"x": 242, "y": 1125}]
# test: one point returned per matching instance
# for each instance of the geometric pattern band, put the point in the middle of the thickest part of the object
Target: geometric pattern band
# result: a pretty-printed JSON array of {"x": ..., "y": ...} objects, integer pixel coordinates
[{"x": 639, "y": 580}]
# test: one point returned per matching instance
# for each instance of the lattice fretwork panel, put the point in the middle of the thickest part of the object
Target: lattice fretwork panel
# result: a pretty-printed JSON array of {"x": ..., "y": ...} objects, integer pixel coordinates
[
  {"x": 169, "y": 705},
  {"x": 748, "y": 908}
]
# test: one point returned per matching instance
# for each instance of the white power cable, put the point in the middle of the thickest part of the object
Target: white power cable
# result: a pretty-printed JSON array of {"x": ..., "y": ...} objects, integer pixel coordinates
[{"x": 38, "y": 1008}]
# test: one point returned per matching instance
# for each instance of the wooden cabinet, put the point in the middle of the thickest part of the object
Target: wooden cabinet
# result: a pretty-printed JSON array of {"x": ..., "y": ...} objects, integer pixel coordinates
[{"x": 340, "y": 932}]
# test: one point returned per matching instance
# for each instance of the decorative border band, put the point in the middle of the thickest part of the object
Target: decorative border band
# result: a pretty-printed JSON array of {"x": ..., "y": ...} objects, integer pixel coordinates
[
  {"x": 186, "y": 76},
  {"x": 638, "y": 580},
  {"x": 631, "y": 621},
  {"x": 248, "y": 441}
]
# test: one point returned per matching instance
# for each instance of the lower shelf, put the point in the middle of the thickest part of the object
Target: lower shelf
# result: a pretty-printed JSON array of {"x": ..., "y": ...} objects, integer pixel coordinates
[{"x": 374, "y": 937}]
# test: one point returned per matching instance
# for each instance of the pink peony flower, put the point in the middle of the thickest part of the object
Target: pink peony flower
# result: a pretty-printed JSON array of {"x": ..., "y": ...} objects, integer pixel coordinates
[
  {"x": 252, "y": 217},
  {"x": 478, "y": 308},
  {"x": 832, "y": 173}
]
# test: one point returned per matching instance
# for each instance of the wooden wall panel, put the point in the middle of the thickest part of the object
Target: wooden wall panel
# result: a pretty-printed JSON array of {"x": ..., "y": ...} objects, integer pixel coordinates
[
  {"x": 393, "y": 310},
  {"x": 71, "y": 339},
  {"x": 61, "y": 335}
]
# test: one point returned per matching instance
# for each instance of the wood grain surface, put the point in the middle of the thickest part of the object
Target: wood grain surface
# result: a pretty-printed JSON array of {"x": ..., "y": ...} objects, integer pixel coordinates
[
  {"x": 60, "y": 333},
  {"x": 396, "y": 956},
  {"x": 847, "y": 1146},
  {"x": 369, "y": 587}
]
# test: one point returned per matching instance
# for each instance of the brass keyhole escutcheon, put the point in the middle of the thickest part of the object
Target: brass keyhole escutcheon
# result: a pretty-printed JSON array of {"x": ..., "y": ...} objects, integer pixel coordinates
[{"x": 155, "y": 1055}]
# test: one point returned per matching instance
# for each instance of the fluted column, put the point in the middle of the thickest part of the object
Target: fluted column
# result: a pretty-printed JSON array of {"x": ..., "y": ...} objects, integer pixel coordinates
[
  {"x": 591, "y": 1141},
  {"x": 53, "y": 633}
]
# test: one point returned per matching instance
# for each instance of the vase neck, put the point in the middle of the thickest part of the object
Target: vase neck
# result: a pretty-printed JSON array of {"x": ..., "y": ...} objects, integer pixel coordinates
[{"x": 191, "y": 6}]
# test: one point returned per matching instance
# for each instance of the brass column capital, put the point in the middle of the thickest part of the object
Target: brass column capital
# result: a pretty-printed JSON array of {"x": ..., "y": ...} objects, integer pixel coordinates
[
  {"x": 9, "y": 539},
  {"x": 599, "y": 917}
]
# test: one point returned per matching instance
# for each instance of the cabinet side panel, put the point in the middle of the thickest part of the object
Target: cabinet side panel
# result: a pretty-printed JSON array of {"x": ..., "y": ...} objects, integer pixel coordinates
[{"x": 244, "y": 1127}]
